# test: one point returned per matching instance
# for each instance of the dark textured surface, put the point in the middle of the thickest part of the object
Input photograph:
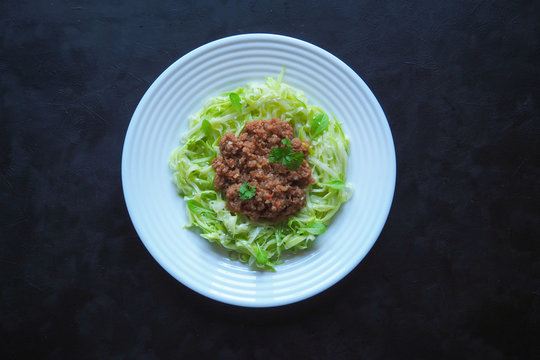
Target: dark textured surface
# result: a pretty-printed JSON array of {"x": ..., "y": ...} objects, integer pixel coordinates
[{"x": 454, "y": 274}]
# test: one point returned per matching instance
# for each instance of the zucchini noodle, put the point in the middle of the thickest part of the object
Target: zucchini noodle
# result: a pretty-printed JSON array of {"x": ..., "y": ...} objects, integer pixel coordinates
[{"x": 259, "y": 243}]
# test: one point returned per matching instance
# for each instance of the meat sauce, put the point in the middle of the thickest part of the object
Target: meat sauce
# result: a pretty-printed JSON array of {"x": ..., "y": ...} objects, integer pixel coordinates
[{"x": 245, "y": 159}]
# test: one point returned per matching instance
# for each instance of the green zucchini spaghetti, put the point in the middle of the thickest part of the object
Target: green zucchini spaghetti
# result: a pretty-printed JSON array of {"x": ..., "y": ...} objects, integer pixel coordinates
[{"x": 260, "y": 243}]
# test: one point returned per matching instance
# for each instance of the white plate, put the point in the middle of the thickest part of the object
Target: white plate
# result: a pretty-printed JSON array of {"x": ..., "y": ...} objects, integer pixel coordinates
[{"x": 158, "y": 213}]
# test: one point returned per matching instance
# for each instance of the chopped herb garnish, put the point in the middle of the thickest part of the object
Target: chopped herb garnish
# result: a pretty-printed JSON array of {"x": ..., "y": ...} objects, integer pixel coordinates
[
  {"x": 319, "y": 124},
  {"x": 246, "y": 191},
  {"x": 206, "y": 127},
  {"x": 235, "y": 100},
  {"x": 336, "y": 184},
  {"x": 195, "y": 207},
  {"x": 315, "y": 228},
  {"x": 286, "y": 156},
  {"x": 261, "y": 255}
]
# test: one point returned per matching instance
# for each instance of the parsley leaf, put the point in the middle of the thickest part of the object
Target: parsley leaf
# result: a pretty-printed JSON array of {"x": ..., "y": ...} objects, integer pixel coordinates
[
  {"x": 336, "y": 184},
  {"x": 286, "y": 156},
  {"x": 195, "y": 207},
  {"x": 294, "y": 160},
  {"x": 319, "y": 124},
  {"x": 206, "y": 127},
  {"x": 315, "y": 228},
  {"x": 278, "y": 155},
  {"x": 246, "y": 191},
  {"x": 235, "y": 100},
  {"x": 262, "y": 256}
]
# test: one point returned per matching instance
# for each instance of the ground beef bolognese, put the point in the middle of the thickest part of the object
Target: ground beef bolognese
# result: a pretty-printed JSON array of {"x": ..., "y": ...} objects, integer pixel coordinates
[{"x": 279, "y": 190}]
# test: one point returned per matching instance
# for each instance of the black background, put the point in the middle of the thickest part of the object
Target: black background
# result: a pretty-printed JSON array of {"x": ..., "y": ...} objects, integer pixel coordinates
[{"x": 454, "y": 274}]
